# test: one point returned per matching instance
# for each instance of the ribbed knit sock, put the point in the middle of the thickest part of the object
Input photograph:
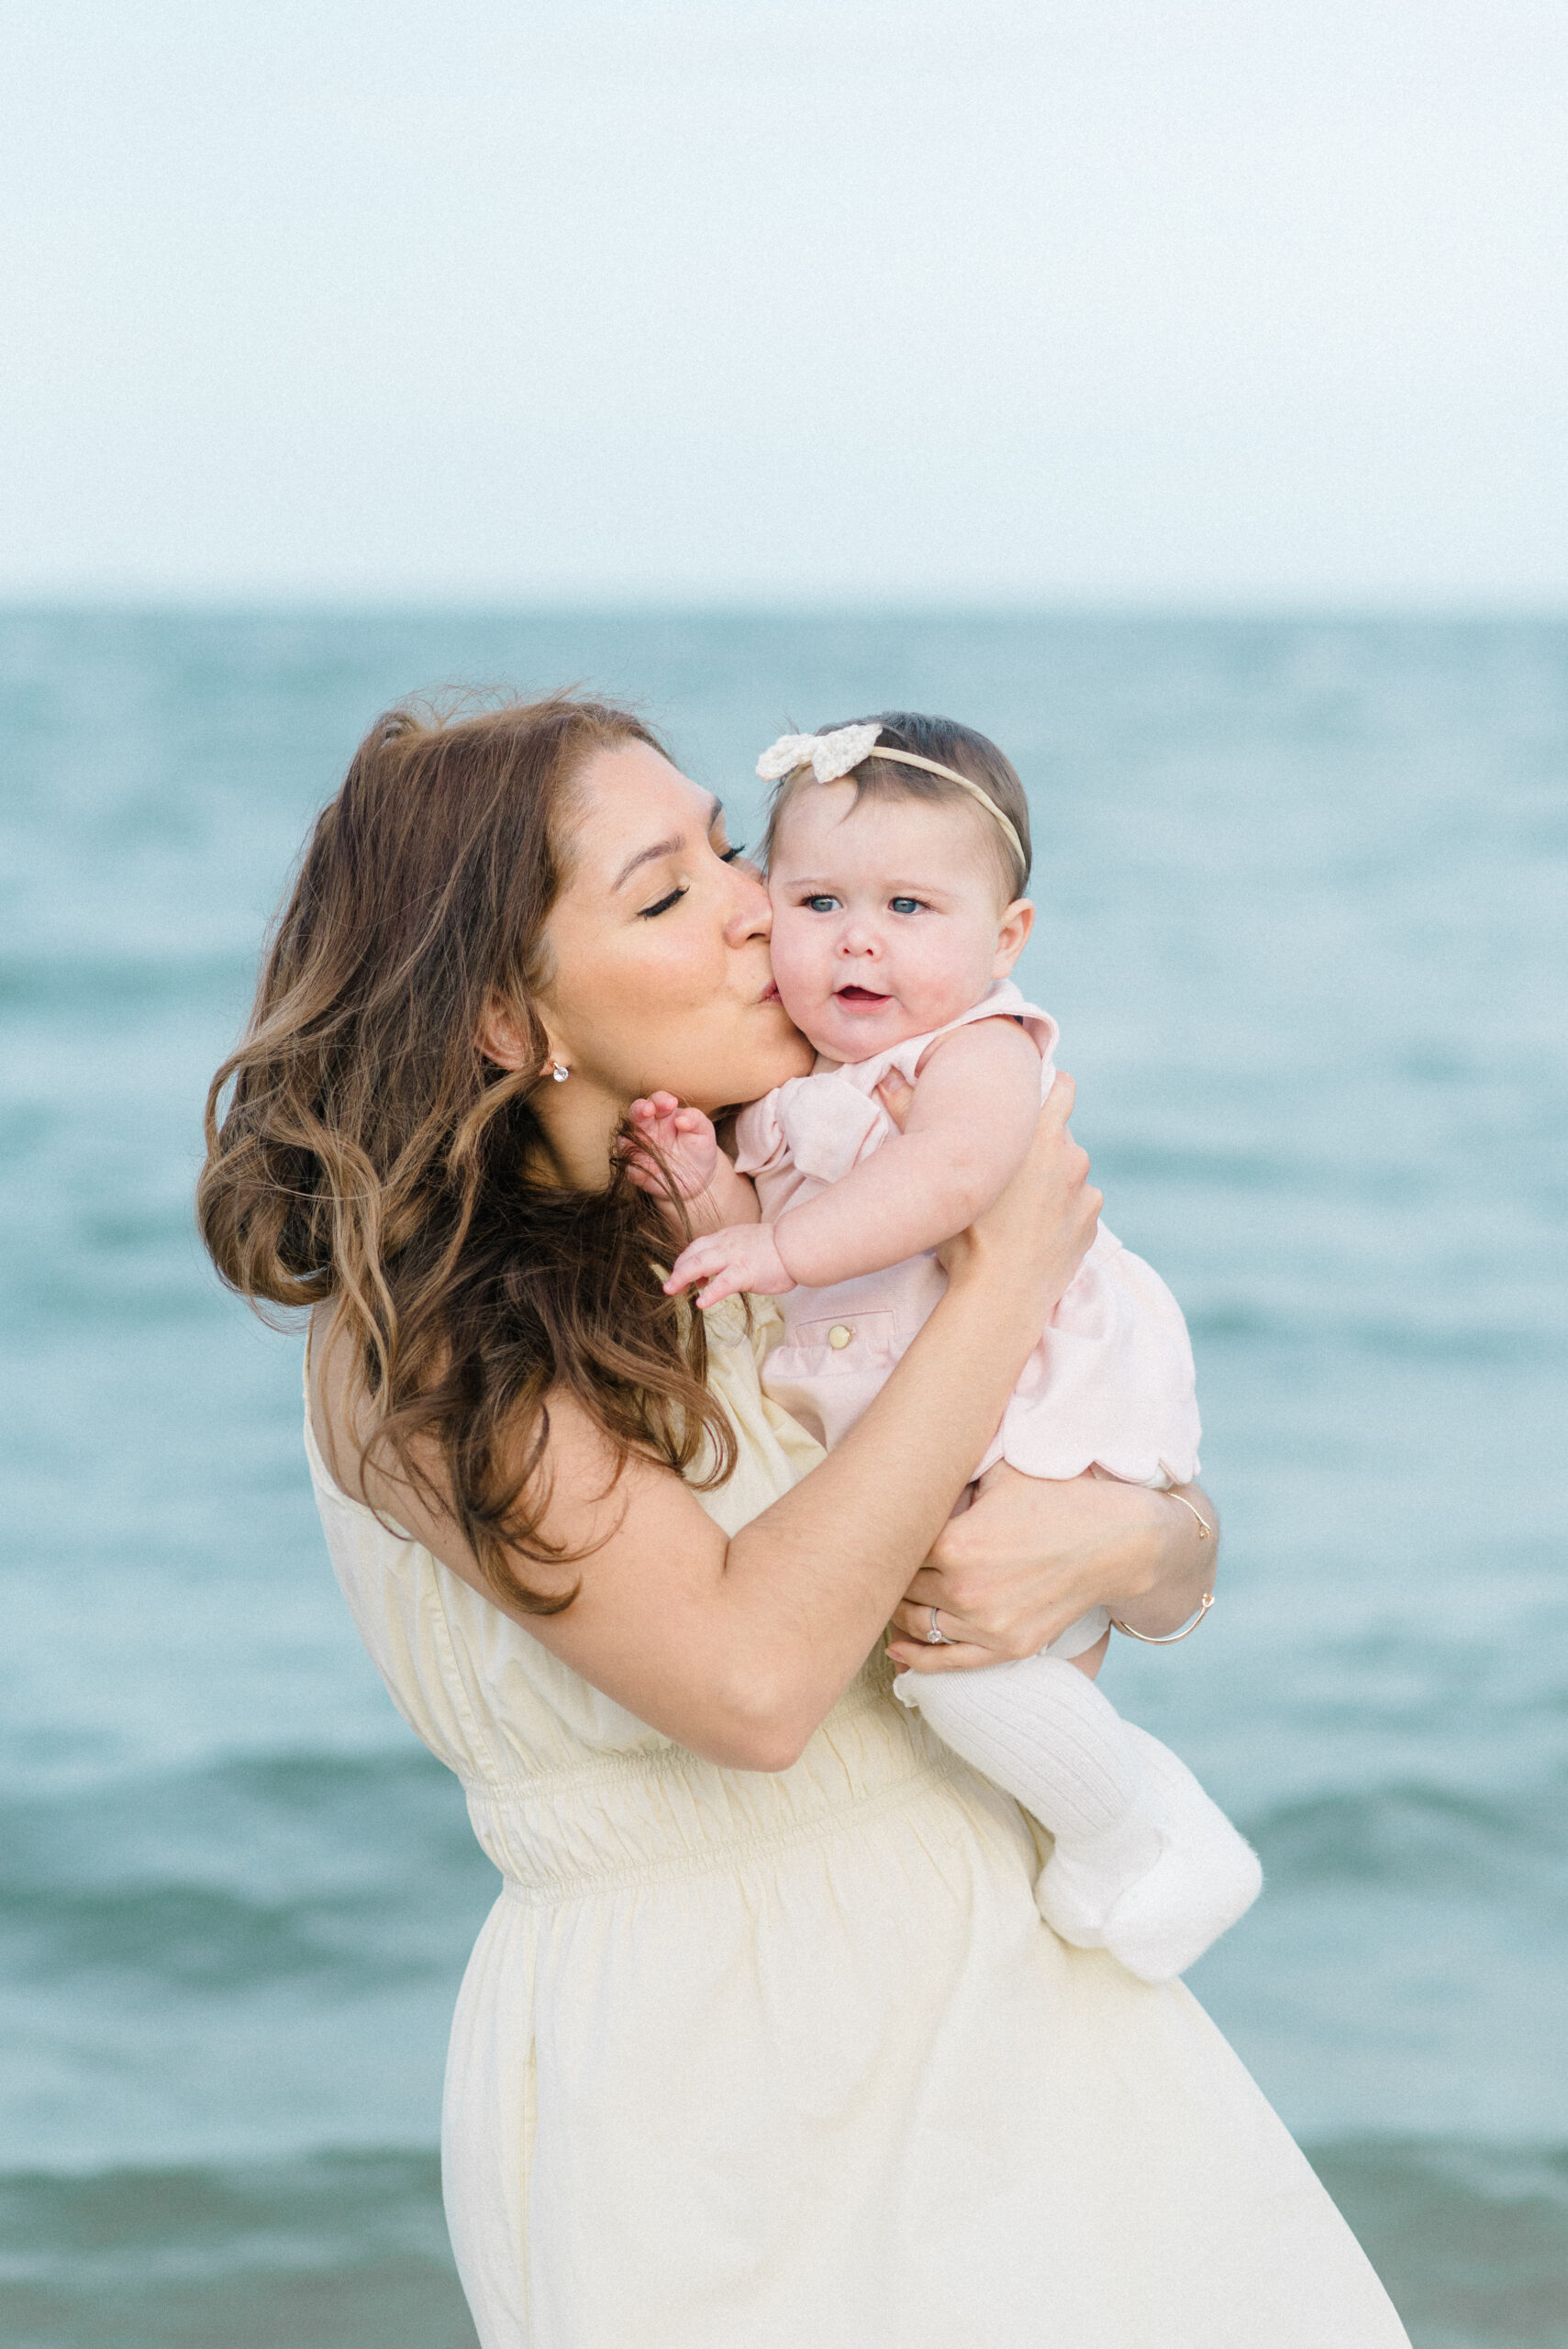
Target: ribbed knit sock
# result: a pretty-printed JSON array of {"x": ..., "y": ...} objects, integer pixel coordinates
[{"x": 1041, "y": 1730}]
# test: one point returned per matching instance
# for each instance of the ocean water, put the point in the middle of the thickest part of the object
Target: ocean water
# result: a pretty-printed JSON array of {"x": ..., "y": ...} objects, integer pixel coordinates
[{"x": 1302, "y": 918}]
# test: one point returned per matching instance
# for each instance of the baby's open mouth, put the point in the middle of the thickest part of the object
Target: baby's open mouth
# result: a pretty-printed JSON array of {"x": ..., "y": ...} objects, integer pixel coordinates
[{"x": 858, "y": 994}]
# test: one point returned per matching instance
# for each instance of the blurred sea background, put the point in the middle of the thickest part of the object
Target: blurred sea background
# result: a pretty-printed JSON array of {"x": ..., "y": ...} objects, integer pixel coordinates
[{"x": 1302, "y": 917}]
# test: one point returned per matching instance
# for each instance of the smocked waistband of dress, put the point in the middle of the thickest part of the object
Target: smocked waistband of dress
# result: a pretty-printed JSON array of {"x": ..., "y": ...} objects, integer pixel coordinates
[{"x": 669, "y": 1856}]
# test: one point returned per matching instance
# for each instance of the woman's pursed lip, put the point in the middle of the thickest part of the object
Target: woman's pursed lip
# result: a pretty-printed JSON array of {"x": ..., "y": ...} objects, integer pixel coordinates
[{"x": 770, "y": 994}]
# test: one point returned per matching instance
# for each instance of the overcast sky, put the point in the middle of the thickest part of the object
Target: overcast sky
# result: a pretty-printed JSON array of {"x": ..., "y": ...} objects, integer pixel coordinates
[{"x": 492, "y": 300}]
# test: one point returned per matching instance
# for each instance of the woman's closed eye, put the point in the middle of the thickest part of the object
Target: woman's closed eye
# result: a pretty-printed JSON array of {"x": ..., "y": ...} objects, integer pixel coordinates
[{"x": 662, "y": 906}]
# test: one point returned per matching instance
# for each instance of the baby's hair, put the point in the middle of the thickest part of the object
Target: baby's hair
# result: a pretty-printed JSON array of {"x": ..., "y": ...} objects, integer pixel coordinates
[{"x": 951, "y": 745}]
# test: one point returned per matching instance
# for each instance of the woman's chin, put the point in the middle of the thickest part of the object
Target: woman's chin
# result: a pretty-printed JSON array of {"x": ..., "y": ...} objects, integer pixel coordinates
[
  {"x": 775, "y": 1051},
  {"x": 795, "y": 1055}
]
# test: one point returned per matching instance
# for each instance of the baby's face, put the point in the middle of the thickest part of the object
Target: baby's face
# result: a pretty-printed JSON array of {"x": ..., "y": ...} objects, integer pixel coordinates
[{"x": 887, "y": 919}]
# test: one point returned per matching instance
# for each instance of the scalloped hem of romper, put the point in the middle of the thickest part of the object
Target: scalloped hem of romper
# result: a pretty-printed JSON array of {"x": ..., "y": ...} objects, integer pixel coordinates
[{"x": 1154, "y": 1471}]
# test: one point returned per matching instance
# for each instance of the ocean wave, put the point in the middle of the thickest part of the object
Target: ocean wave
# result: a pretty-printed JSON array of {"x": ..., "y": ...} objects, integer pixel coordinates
[
  {"x": 1444, "y": 1336},
  {"x": 287, "y": 1869},
  {"x": 332, "y": 2251},
  {"x": 1471, "y": 2240},
  {"x": 347, "y": 2249},
  {"x": 1414, "y": 1837},
  {"x": 109, "y": 984}
]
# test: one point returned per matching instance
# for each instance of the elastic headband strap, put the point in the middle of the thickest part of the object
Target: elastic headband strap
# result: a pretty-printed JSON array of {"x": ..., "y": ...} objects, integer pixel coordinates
[
  {"x": 833, "y": 756},
  {"x": 951, "y": 775}
]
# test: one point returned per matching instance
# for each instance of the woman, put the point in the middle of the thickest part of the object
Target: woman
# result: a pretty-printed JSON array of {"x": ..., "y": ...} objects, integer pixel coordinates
[{"x": 764, "y": 2040}]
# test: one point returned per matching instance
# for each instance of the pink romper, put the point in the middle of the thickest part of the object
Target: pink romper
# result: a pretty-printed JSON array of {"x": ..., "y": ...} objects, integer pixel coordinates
[{"x": 1111, "y": 1384}]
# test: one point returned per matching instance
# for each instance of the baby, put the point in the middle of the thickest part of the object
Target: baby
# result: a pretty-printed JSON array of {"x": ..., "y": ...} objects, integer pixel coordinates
[{"x": 897, "y": 852}]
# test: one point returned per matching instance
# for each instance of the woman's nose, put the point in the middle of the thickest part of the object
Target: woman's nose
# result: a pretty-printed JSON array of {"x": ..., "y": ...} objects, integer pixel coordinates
[{"x": 751, "y": 915}]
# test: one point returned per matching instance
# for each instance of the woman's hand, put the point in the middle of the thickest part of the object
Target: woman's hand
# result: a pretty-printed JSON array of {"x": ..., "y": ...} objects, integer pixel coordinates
[{"x": 1009, "y": 1573}]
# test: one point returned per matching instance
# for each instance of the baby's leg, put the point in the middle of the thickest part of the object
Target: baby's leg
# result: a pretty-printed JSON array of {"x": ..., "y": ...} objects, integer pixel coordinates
[
  {"x": 1042, "y": 1731},
  {"x": 1145, "y": 1865}
]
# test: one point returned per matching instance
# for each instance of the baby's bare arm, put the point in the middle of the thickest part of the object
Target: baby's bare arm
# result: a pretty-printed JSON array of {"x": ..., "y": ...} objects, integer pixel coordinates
[
  {"x": 728, "y": 1198},
  {"x": 970, "y": 1123}
]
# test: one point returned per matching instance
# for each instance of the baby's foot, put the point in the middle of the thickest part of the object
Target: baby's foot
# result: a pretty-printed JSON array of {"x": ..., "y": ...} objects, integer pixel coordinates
[
  {"x": 1087, "y": 1877},
  {"x": 1203, "y": 1877}
]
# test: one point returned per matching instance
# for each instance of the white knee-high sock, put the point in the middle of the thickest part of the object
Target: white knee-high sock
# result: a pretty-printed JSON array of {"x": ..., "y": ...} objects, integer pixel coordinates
[{"x": 1041, "y": 1730}]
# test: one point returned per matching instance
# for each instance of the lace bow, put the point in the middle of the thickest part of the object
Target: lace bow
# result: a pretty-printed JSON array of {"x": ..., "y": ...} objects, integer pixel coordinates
[{"x": 829, "y": 756}]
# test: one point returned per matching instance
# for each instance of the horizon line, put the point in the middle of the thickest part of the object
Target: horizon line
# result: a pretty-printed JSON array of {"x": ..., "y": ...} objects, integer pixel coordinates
[{"x": 1265, "y": 606}]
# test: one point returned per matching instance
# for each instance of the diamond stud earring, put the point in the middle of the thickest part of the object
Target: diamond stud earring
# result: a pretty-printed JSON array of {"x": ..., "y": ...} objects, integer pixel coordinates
[{"x": 559, "y": 1071}]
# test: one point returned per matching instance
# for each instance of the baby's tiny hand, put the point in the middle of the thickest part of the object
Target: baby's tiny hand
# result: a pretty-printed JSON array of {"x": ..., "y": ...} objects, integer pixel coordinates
[
  {"x": 684, "y": 1137},
  {"x": 742, "y": 1256}
]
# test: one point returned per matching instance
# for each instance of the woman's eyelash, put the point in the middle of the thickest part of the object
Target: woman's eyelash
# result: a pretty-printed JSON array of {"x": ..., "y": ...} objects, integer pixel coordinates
[{"x": 726, "y": 856}]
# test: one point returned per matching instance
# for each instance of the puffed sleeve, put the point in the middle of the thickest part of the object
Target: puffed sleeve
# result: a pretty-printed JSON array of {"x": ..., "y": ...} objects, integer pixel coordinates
[
  {"x": 759, "y": 1144},
  {"x": 820, "y": 1125}
]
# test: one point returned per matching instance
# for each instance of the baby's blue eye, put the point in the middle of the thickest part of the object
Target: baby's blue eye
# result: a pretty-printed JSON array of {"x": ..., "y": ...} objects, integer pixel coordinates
[
  {"x": 905, "y": 904},
  {"x": 820, "y": 905}
]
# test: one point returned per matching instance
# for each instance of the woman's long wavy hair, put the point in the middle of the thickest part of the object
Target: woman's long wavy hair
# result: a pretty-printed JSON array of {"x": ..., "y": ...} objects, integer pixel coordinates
[{"x": 371, "y": 1156}]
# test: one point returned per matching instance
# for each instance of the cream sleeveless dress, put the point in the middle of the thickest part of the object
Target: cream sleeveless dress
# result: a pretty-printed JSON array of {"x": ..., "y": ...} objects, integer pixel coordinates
[{"x": 790, "y": 2062}]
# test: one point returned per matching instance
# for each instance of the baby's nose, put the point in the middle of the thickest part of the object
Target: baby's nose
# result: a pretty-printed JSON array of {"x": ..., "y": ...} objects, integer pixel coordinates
[{"x": 859, "y": 938}]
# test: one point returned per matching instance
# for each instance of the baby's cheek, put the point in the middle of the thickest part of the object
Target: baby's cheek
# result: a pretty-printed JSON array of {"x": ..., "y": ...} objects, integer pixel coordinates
[
  {"x": 798, "y": 964},
  {"x": 940, "y": 973}
]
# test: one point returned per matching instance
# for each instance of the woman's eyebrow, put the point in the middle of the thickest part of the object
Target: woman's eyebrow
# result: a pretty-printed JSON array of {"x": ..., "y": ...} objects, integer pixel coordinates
[{"x": 662, "y": 847}]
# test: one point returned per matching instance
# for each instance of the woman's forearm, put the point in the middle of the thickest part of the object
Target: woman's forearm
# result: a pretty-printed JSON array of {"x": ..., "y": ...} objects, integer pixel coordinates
[
  {"x": 810, "y": 1584},
  {"x": 1180, "y": 1566}
]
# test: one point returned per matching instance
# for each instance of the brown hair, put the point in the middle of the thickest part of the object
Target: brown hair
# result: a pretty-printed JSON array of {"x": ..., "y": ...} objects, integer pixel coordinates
[
  {"x": 951, "y": 745},
  {"x": 371, "y": 1154}
]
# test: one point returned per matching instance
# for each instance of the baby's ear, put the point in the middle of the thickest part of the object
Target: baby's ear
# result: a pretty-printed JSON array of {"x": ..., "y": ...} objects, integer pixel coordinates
[{"x": 1012, "y": 936}]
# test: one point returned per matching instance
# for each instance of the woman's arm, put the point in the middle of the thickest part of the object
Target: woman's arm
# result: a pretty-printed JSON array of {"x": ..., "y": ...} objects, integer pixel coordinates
[
  {"x": 1031, "y": 1556},
  {"x": 739, "y": 1648}
]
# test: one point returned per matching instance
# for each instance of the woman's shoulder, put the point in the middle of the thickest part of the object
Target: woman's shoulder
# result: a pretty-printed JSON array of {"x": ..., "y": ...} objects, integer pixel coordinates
[{"x": 468, "y": 1676}]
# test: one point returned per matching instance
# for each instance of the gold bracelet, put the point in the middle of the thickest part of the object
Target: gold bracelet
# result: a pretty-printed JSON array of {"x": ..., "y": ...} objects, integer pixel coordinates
[
  {"x": 1204, "y": 1528},
  {"x": 1169, "y": 1639}
]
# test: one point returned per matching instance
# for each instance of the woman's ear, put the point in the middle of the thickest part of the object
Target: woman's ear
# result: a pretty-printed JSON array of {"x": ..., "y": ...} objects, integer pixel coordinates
[
  {"x": 508, "y": 1037},
  {"x": 1012, "y": 936}
]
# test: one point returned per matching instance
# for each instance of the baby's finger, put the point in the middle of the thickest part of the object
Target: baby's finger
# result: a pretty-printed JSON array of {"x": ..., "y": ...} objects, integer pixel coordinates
[
  {"x": 693, "y": 1264},
  {"x": 723, "y": 1284},
  {"x": 663, "y": 1105}
]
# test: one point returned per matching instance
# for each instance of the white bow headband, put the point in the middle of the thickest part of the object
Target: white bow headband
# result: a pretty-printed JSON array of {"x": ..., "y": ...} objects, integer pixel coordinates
[{"x": 832, "y": 756}]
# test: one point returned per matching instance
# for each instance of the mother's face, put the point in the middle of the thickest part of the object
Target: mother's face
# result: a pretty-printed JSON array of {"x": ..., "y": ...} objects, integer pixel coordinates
[{"x": 658, "y": 946}]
